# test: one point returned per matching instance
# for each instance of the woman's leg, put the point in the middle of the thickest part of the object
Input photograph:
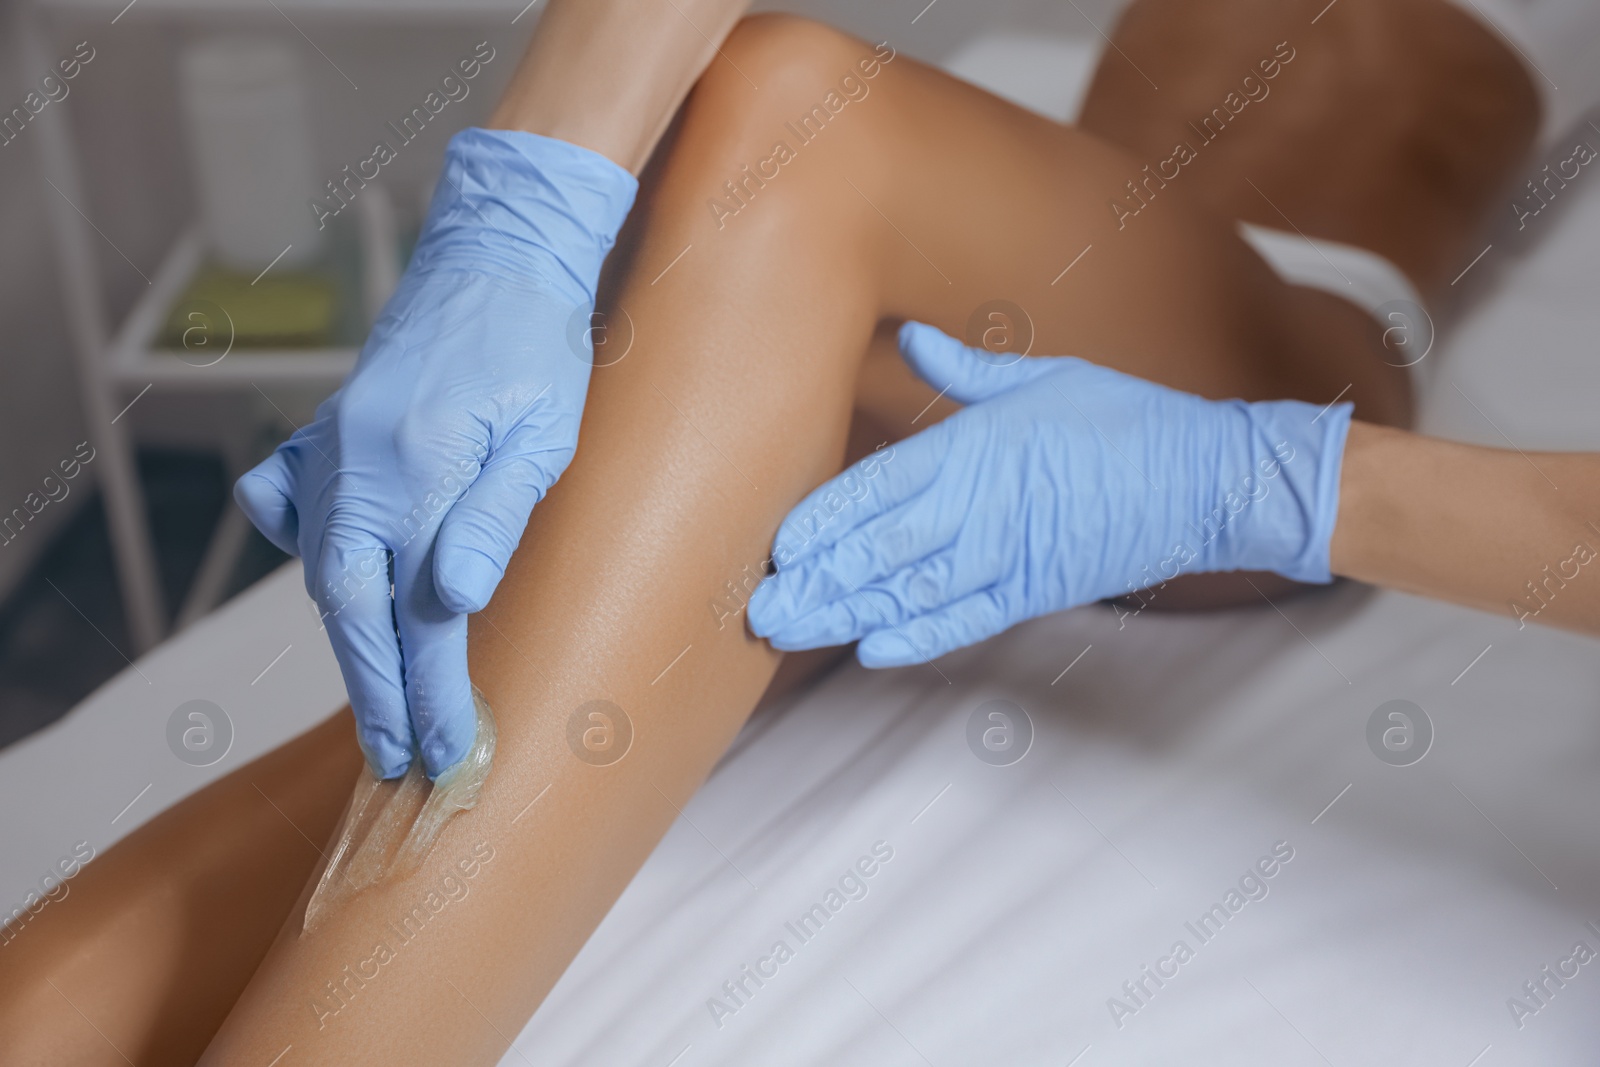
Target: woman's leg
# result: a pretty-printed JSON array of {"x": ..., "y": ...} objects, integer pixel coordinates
[
  {"x": 1396, "y": 126},
  {"x": 154, "y": 941},
  {"x": 918, "y": 197}
]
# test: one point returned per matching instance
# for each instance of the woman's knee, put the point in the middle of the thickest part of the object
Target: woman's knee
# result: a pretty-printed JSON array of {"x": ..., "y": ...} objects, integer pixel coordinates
[
  {"x": 779, "y": 52},
  {"x": 787, "y": 107},
  {"x": 783, "y": 80}
]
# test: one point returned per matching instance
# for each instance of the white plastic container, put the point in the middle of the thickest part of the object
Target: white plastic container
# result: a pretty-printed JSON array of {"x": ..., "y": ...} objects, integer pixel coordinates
[{"x": 248, "y": 120}]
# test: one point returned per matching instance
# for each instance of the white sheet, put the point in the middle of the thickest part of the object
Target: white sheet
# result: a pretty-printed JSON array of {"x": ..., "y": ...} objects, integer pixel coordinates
[{"x": 1168, "y": 759}]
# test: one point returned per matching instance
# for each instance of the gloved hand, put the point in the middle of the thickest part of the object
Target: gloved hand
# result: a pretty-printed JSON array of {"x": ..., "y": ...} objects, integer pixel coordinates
[
  {"x": 1062, "y": 483},
  {"x": 460, "y": 414}
]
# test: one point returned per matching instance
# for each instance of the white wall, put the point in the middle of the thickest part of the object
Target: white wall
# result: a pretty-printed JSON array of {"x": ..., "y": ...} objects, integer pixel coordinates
[{"x": 39, "y": 415}]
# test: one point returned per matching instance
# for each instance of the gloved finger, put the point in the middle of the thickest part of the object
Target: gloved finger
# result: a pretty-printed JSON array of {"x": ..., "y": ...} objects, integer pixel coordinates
[
  {"x": 352, "y": 592},
  {"x": 433, "y": 643},
  {"x": 483, "y": 527},
  {"x": 836, "y": 508},
  {"x": 868, "y": 554},
  {"x": 262, "y": 493},
  {"x": 893, "y": 601},
  {"x": 965, "y": 622},
  {"x": 865, "y": 489},
  {"x": 965, "y": 374}
]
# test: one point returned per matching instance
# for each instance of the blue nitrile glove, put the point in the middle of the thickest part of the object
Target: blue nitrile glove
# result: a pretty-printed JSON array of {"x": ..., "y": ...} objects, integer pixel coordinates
[
  {"x": 460, "y": 414},
  {"x": 1062, "y": 483}
]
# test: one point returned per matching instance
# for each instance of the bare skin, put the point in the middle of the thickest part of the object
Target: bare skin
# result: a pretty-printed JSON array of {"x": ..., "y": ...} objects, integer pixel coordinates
[
  {"x": 737, "y": 397},
  {"x": 1513, "y": 534},
  {"x": 609, "y": 74},
  {"x": 158, "y": 936},
  {"x": 1393, "y": 128}
]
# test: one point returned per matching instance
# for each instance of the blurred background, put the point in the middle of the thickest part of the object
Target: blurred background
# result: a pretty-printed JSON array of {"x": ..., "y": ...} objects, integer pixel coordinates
[{"x": 171, "y": 307}]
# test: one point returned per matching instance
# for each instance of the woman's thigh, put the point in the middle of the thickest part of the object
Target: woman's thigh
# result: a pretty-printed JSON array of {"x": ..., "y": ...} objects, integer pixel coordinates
[
  {"x": 1000, "y": 227},
  {"x": 1393, "y": 125}
]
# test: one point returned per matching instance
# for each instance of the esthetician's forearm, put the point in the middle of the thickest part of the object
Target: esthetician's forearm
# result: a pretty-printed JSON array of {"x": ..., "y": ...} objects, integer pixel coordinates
[
  {"x": 1512, "y": 533},
  {"x": 609, "y": 74}
]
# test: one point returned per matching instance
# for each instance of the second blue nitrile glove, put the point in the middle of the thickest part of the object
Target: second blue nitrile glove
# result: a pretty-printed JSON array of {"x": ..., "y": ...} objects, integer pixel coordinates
[
  {"x": 1061, "y": 483},
  {"x": 460, "y": 414}
]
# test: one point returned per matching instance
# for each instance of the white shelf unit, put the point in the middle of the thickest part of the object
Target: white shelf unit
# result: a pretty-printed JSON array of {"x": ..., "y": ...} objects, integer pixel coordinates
[
  {"x": 135, "y": 358},
  {"x": 114, "y": 363}
]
